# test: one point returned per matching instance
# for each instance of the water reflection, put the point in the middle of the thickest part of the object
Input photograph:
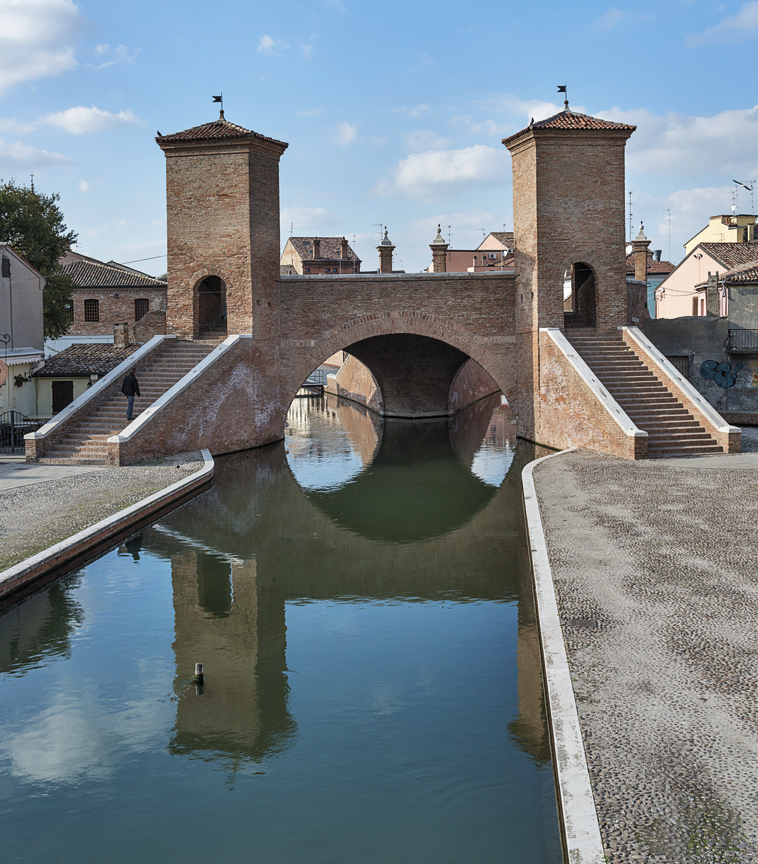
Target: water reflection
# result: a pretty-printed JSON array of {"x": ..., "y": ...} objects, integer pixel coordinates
[
  {"x": 380, "y": 672},
  {"x": 40, "y": 628},
  {"x": 241, "y": 712}
]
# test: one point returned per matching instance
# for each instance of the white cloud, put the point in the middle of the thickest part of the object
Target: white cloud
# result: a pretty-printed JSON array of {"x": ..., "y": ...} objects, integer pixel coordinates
[
  {"x": 84, "y": 186},
  {"x": 119, "y": 54},
  {"x": 20, "y": 157},
  {"x": 414, "y": 112},
  {"x": 306, "y": 220},
  {"x": 689, "y": 145},
  {"x": 269, "y": 45},
  {"x": 436, "y": 172},
  {"x": 306, "y": 51},
  {"x": 425, "y": 139},
  {"x": 81, "y": 120},
  {"x": 609, "y": 19},
  {"x": 742, "y": 25},
  {"x": 36, "y": 39},
  {"x": 345, "y": 134}
]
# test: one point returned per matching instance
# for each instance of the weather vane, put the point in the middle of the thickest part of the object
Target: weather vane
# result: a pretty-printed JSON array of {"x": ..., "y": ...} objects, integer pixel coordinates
[
  {"x": 221, "y": 100},
  {"x": 562, "y": 89}
]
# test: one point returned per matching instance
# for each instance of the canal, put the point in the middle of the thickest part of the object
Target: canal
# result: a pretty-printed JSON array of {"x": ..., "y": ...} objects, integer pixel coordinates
[{"x": 360, "y": 597}]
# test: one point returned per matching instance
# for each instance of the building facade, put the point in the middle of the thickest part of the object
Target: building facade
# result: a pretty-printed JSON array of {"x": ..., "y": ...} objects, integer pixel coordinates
[{"x": 316, "y": 256}]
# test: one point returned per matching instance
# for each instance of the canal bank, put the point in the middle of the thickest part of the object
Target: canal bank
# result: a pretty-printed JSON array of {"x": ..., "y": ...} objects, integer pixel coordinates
[
  {"x": 655, "y": 580},
  {"x": 53, "y": 517}
]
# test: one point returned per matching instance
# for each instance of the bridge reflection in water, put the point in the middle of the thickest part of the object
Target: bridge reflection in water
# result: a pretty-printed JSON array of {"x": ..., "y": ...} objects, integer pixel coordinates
[{"x": 351, "y": 592}]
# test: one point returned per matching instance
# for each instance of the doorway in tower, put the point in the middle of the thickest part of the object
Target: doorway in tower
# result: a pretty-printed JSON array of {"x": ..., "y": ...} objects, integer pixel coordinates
[{"x": 211, "y": 308}]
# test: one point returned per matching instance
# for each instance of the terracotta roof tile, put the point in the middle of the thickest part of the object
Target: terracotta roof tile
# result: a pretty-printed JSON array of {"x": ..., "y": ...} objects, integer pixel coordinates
[
  {"x": 571, "y": 120},
  {"x": 330, "y": 249},
  {"x": 89, "y": 273},
  {"x": 732, "y": 254},
  {"x": 219, "y": 130},
  {"x": 653, "y": 267},
  {"x": 81, "y": 361}
]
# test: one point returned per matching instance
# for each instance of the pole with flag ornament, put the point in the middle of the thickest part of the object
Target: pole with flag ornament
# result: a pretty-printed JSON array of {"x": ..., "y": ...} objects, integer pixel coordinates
[
  {"x": 562, "y": 89},
  {"x": 221, "y": 100}
]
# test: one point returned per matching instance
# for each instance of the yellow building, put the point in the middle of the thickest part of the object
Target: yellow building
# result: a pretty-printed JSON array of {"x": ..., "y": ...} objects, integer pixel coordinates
[{"x": 725, "y": 229}]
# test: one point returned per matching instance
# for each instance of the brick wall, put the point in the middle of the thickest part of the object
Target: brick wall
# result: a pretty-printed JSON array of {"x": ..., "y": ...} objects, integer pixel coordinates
[
  {"x": 568, "y": 414},
  {"x": 116, "y": 306}
]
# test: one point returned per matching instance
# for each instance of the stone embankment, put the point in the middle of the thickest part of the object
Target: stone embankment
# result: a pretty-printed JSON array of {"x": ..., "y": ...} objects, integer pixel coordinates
[
  {"x": 654, "y": 566},
  {"x": 35, "y": 516}
]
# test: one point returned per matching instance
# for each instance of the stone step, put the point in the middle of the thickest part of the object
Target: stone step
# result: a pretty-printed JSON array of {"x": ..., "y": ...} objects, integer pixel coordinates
[{"x": 683, "y": 450}]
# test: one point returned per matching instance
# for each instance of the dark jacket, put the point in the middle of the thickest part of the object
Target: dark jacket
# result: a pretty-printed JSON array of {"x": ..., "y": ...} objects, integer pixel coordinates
[{"x": 130, "y": 387}]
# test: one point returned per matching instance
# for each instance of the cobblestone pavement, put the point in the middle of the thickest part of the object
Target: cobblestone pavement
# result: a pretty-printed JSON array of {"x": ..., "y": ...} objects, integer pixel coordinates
[
  {"x": 656, "y": 572},
  {"x": 37, "y": 516}
]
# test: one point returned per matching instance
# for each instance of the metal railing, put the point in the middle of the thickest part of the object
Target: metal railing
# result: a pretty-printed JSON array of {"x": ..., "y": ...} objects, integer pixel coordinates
[
  {"x": 13, "y": 426},
  {"x": 742, "y": 341}
]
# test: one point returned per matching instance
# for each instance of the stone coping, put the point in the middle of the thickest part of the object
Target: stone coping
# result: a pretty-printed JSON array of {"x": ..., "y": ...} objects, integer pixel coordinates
[
  {"x": 144, "y": 418},
  {"x": 97, "y": 389},
  {"x": 508, "y": 274},
  {"x": 580, "y": 828},
  {"x": 29, "y": 575},
  {"x": 613, "y": 408},
  {"x": 671, "y": 372}
]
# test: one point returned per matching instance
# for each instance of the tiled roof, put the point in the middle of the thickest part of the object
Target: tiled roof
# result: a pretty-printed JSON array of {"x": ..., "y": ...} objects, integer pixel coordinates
[
  {"x": 653, "y": 267},
  {"x": 743, "y": 274},
  {"x": 504, "y": 237},
  {"x": 217, "y": 130},
  {"x": 89, "y": 273},
  {"x": 330, "y": 249},
  {"x": 81, "y": 361},
  {"x": 571, "y": 120},
  {"x": 287, "y": 270},
  {"x": 732, "y": 254}
]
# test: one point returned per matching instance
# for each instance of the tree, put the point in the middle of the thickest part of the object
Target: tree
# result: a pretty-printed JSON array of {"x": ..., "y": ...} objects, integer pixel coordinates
[{"x": 32, "y": 224}]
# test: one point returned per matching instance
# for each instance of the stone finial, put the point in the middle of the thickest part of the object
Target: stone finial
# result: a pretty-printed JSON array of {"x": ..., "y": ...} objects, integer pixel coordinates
[
  {"x": 439, "y": 252},
  {"x": 639, "y": 246},
  {"x": 385, "y": 249}
]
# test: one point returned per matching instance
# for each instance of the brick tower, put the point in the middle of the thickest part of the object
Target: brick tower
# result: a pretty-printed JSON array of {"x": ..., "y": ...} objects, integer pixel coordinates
[
  {"x": 222, "y": 190},
  {"x": 568, "y": 220},
  {"x": 439, "y": 253}
]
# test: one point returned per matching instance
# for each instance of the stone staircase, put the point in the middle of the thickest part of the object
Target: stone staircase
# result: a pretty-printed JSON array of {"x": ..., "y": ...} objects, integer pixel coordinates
[
  {"x": 84, "y": 441},
  {"x": 671, "y": 428}
]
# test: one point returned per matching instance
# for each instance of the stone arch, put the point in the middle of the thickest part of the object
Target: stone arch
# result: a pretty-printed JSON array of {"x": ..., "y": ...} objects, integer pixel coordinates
[
  {"x": 498, "y": 360},
  {"x": 209, "y": 300},
  {"x": 580, "y": 308}
]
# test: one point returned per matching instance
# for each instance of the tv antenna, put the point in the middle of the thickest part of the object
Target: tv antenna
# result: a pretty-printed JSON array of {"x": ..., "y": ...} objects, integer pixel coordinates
[
  {"x": 630, "y": 216},
  {"x": 378, "y": 225},
  {"x": 667, "y": 211},
  {"x": 750, "y": 188}
]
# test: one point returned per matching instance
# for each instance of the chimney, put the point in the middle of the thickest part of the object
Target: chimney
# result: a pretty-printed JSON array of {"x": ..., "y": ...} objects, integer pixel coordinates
[
  {"x": 439, "y": 253},
  {"x": 712, "y": 304},
  {"x": 385, "y": 249},
  {"x": 657, "y": 255},
  {"x": 316, "y": 248},
  {"x": 344, "y": 249},
  {"x": 120, "y": 335},
  {"x": 639, "y": 245}
]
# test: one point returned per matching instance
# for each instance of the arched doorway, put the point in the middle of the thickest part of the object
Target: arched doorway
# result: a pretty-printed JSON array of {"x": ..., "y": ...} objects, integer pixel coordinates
[
  {"x": 579, "y": 301},
  {"x": 211, "y": 308}
]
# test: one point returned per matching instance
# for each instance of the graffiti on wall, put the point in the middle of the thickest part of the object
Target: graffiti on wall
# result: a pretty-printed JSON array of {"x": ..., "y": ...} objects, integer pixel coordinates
[{"x": 721, "y": 373}]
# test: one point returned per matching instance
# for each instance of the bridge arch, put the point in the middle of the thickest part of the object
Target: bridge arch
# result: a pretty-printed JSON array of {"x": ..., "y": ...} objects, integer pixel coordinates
[{"x": 368, "y": 336}]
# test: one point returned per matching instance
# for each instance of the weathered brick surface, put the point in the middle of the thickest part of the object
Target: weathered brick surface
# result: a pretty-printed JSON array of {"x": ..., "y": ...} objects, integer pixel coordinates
[
  {"x": 223, "y": 220},
  {"x": 568, "y": 414},
  {"x": 233, "y": 405},
  {"x": 568, "y": 207},
  {"x": 116, "y": 306}
]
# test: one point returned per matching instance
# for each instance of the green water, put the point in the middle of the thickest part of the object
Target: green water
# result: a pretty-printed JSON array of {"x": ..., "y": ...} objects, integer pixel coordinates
[{"x": 360, "y": 598}]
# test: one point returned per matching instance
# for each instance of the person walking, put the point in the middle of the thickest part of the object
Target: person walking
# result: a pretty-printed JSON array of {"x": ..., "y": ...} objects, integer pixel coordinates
[{"x": 130, "y": 389}]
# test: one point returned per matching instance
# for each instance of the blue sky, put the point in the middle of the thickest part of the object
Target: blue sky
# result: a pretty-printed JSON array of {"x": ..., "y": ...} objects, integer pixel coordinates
[{"x": 394, "y": 111}]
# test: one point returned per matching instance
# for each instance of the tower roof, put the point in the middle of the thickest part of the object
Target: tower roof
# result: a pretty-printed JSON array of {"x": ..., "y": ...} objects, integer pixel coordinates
[
  {"x": 386, "y": 240},
  {"x": 217, "y": 130},
  {"x": 439, "y": 240},
  {"x": 573, "y": 121}
]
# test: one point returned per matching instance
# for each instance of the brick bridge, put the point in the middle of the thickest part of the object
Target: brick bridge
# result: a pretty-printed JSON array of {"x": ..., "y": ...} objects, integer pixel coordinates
[{"x": 434, "y": 342}]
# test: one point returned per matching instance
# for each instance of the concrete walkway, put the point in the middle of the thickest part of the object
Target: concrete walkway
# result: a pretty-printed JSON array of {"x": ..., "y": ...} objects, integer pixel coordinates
[
  {"x": 656, "y": 571},
  {"x": 45, "y": 504}
]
